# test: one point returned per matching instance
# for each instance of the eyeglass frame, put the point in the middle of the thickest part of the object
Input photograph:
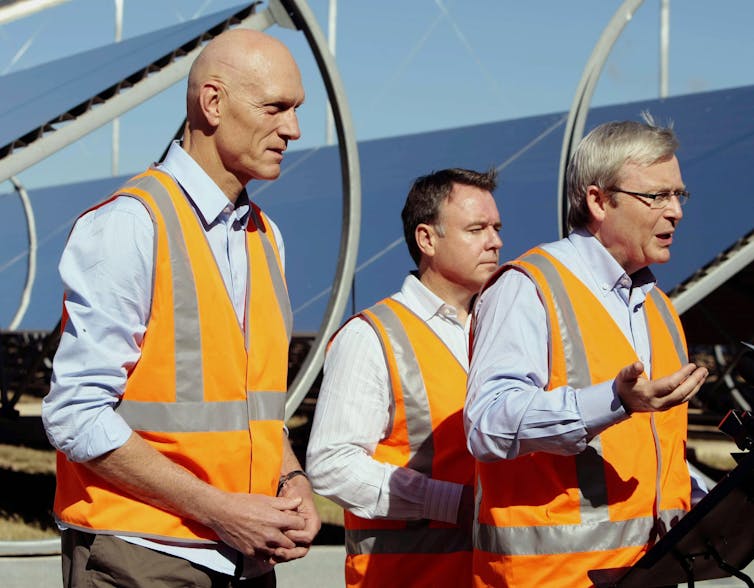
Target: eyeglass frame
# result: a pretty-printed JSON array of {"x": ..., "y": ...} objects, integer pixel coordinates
[{"x": 682, "y": 195}]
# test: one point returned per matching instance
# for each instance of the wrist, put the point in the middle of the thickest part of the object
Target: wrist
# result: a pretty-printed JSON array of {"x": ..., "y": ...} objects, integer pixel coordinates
[{"x": 285, "y": 478}]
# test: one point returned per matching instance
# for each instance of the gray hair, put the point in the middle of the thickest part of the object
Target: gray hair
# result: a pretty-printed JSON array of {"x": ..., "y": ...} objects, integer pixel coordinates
[{"x": 601, "y": 155}]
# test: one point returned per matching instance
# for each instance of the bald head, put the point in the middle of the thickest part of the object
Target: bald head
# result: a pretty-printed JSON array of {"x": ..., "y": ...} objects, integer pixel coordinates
[
  {"x": 243, "y": 92},
  {"x": 237, "y": 57}
]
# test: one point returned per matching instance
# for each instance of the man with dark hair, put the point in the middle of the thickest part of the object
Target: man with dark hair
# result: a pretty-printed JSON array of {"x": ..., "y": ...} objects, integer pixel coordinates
[
  {"x": 579, "y": 377},
  {"x": 168, "y": 390},
  {"x": 387, "y": 441}
]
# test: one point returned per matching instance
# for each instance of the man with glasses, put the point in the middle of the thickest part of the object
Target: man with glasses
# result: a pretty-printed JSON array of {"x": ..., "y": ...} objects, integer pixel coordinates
[{"x": 579, "y": 377}]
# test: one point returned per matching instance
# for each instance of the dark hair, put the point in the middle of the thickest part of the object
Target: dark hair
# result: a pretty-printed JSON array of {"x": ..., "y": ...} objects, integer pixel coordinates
[{"x": 428, "y": 192}]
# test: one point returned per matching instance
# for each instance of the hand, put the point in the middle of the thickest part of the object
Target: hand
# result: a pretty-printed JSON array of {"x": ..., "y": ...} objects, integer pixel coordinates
[
  {"x": 638, "y": 394},
  {"x": 299, "y": 488},
  {"x": 257, "y": 525}
]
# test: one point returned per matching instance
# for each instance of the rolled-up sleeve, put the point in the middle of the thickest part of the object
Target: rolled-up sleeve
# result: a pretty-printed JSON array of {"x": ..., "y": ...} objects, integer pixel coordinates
[{"x": 106, "y": 269}]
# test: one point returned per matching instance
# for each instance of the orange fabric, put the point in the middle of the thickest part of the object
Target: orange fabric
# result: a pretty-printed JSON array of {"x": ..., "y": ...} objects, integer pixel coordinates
[
  {"x": 417, "y": 570},
  {"x": 234, "y": 461},
  {"x": 445, "y": 381},
  {"x": 541, "y": 489}
]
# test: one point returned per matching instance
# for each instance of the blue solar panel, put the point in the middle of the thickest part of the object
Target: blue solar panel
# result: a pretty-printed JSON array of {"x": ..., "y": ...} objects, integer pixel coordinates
[
  {"x": 716, "y": 130},
  {"x": 34, "y": 96}
]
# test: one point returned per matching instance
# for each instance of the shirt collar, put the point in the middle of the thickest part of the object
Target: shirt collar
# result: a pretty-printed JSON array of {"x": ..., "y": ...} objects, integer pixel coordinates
[
  {"x": 604, "y": 269},
  {"x": 424, "y": 302},
  {"x": 208, "y": 199}
]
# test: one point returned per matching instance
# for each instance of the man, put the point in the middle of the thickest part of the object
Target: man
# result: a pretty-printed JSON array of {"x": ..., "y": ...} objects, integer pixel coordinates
[
  {"x": 387, "y": 439},
  {"x": 578, "y": 383},
  {"x": 168, "y": 388}
]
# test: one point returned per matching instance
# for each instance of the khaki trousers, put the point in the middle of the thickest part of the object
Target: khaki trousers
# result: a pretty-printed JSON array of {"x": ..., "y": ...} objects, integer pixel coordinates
[{"x": 94, "y": 561}]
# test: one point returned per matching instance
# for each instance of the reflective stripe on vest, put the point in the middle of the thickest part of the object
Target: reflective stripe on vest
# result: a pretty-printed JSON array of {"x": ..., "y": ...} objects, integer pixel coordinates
[
  {"x": 415, "y": 401},
  {"x": 417, "y": 537},
  {"x": 190, "y": 413},
  {"x": 595, "y": 531},
  {"x": 278, "y": 282},
  {"x": 392, "y": 322}
]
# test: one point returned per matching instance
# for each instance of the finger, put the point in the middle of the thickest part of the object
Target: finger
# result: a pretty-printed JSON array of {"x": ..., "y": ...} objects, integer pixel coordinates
[
  {"x": 695, "y": 380},
  {"x": 283, "y": 555},
  {"x": 285, "y": 503},
  {"x": 304, "y": 537}
]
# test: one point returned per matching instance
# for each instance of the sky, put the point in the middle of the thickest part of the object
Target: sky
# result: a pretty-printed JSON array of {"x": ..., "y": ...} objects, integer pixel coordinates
[{"x": 408, "y": 66}]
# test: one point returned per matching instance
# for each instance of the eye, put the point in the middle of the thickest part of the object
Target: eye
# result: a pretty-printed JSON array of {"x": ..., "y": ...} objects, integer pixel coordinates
[{"x": 663, "y": 197}]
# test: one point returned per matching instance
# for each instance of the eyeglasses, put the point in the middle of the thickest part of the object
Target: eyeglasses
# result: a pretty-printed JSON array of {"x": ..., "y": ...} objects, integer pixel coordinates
[{"x": 658, "y": 200}]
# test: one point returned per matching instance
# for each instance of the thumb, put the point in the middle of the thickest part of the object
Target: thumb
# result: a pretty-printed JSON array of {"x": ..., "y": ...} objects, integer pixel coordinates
[
  {"x": 631, "y": 372},
  {"x": 287, "y": 502}
]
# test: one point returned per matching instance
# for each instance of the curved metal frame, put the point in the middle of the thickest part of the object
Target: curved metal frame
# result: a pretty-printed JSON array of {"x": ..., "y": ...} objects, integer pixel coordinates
[
  {"x": 31, "y": 266},
  {"x": 574, "y": 129},
  {"x": 304, "y": 19}
]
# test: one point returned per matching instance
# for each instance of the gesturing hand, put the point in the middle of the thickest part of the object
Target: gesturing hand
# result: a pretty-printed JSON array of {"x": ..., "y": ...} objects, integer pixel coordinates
[{"x": 639, "y": 394}]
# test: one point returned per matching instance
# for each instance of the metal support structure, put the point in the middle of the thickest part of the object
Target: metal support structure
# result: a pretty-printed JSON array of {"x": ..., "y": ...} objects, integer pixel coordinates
[
  {"x": 303, "y": 18},
  {"x": 31, "y": 266},
  {"x": 115, "y": 155},
  {"x": 664, "y": 46},
  {"x": 574, "y": 129},
  {"x": 332, "y": 33}
]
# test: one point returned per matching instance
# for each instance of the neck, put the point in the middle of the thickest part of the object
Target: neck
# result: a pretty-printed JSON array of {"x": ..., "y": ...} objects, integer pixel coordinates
[
  {"x": 204, "y": 153},
  {"x": 456, "y": 295}
]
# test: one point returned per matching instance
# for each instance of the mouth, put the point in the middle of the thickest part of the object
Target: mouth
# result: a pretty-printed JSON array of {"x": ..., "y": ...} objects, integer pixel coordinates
[{"x": 665, "y": 238}]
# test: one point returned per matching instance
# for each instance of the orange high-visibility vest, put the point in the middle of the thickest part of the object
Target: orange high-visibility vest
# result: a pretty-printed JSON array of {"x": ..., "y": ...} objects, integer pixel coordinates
[
  {"x": 545, "y": 519},
  {"x": 205, "y": 393},
  {"x": 428, "y": 386}
]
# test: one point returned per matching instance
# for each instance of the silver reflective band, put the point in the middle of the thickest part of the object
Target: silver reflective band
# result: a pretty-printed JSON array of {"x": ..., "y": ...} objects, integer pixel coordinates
[
  {"x": 202, "y": 417},
  {"x": 187, "y": 331},
  {"x": 278, "y": 283},
  {"x": 560, "y": 539},
  {"x": 415, "y": 401},
  {"x": 667, "y": 317},
  {"x": 417, "y": 537},
  {"x": 590, "y": 465}
]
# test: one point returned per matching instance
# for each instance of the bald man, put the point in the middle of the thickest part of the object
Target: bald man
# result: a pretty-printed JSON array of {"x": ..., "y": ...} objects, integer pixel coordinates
[{"x": 168, "y": 388}]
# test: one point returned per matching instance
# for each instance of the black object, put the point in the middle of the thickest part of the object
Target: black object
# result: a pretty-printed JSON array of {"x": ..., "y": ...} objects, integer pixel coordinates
[{"x": 714, "y": 540}]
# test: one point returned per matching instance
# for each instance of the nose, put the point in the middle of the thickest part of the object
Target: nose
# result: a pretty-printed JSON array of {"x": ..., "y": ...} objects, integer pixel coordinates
[
  {"x": 673, "y": 211},
  {"x": 494, "y": 241},
  {"x": 289, "y": 129}
]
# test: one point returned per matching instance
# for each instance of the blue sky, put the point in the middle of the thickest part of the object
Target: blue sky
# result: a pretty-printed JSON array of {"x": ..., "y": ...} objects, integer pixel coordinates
[{"x": 410, "y": 66}]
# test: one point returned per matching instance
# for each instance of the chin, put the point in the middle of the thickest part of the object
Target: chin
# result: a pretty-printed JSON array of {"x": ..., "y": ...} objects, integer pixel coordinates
[{"x": 271, "y": 174}]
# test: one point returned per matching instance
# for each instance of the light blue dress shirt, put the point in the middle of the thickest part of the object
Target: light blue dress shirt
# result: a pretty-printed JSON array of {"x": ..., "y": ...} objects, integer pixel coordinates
[
  {"x": 107, "y": 270},
  {"x": 506, "y": 412}
]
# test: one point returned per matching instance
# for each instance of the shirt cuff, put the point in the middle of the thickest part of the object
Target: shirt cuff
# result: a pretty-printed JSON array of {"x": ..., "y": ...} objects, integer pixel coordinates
[
  {"x": 108, "y": 433},
  {"x": 442, "y": 501},
  {"x": 600, "y": 407}
]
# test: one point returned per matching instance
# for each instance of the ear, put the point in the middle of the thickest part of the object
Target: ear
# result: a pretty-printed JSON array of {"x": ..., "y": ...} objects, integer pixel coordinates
[
  {"x": 597, "y": 201},
  {"x": 426, "y": 237},
  {"x": 209, "y": 101}
]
